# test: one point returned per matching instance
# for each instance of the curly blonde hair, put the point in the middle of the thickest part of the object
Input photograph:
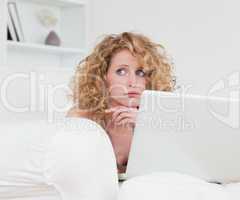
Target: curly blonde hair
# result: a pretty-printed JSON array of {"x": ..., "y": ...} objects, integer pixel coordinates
[{"x": 89, "y": 91}]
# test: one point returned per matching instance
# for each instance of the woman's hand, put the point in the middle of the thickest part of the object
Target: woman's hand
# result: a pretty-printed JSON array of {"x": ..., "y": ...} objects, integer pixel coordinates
[
  {"x": 123, "y": 116},
  {"x": 121, "y": 135}
]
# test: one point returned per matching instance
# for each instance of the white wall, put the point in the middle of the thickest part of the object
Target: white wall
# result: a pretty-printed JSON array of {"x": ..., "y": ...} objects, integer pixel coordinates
[
  {"x": 202, "y": 36},
  {"x": 2, "y": 33}
]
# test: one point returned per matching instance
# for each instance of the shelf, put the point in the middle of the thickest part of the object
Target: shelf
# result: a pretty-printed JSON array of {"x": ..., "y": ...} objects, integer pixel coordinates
[
  {"x": 33, "y": 53},
  {"x": 61, "y": 3},
  {"x": 43, "y": 48}
]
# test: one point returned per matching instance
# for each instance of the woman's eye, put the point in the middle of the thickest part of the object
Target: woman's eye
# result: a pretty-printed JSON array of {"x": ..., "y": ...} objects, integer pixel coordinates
[
  {"x": 140, "y": 72},
  {"x": 121, "y": 71}
]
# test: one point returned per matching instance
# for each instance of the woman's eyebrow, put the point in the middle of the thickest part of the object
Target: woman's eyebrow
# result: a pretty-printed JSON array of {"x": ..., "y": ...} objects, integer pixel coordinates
[{"x": 119, "y": 65}]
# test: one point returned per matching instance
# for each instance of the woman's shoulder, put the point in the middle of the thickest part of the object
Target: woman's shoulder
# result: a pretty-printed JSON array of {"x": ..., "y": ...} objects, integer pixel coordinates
[
  {"x": 74, "y": 112},
  {"x": 86, "y": 115},
  {"x": 79, "y": 120}
]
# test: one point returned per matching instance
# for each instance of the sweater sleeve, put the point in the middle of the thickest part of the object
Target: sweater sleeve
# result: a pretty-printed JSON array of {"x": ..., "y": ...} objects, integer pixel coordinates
[{"x": 80, "y": 163}]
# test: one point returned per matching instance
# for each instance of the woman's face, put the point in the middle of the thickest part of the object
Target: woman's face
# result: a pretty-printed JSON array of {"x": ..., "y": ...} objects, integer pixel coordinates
[{"x": 125, "y": 80}]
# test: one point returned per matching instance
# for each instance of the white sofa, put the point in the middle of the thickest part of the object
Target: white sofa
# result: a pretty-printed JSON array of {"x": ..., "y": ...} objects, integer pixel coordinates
[
  {"x": 46, "y": 157},
  {"x": 34, "y": 93}
]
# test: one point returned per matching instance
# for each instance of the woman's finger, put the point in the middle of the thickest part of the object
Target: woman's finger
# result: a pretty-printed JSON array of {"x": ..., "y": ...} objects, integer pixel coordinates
[
  {"x": 127, "y": 121},
  {"x": 123, "y": 115},
  {"x": 117, "y": 112}
]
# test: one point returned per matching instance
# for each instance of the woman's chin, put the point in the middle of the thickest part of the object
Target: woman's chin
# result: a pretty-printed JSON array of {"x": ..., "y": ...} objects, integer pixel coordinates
[
  {"x": 131, "y": 103},
  {"x": 127, "y": 102}
]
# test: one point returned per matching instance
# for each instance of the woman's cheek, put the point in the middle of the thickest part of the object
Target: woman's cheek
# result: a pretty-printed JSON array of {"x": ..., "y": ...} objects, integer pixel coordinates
[{"x": 118, "y": 91}]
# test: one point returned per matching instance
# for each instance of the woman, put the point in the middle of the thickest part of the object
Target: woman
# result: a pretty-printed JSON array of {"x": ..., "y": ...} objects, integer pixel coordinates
[{"x": 108, "y": 84}]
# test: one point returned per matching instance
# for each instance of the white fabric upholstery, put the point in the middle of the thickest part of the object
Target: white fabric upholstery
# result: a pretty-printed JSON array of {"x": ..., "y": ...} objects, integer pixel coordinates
[
  {"x": 73, "y": 160},
  {"x": 174, "y": 186}
]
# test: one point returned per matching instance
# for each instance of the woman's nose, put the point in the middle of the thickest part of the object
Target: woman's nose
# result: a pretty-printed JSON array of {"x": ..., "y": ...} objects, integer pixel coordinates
[{"x": 132, "y": 80}]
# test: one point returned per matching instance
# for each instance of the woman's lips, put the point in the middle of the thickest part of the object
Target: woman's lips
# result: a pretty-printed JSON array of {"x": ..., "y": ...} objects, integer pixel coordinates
[{"x": 133, "y": 94}]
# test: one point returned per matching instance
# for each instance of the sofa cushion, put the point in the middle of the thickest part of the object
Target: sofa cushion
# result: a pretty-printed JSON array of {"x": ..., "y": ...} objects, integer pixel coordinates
[
  {"x": 34, "y": 93},
  {"x": 170, "y": 186}
]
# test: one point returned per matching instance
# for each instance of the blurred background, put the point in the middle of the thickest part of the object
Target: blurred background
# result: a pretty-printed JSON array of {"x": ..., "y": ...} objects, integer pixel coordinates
[{"x": 202, "y": 37}]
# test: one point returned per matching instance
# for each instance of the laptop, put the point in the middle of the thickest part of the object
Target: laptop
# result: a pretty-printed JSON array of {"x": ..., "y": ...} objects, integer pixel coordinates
[{"x": 186, "y": 133}]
